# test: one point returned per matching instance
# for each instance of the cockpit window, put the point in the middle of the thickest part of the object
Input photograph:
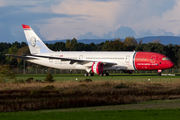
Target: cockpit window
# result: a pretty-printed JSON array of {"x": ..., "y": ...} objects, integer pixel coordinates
[{"x": 165, "y": 58}]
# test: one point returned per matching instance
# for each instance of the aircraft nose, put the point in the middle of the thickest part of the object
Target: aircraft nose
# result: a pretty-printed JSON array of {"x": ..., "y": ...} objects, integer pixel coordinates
[{"x": 171, "y": 64}]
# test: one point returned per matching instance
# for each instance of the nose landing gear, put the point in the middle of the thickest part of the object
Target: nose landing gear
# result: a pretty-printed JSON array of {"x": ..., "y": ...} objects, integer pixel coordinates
[{"x": 159, "y": 72}]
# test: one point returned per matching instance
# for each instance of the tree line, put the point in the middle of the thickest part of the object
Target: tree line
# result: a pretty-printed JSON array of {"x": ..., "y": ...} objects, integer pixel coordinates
[{"x": 129, "y": 44}]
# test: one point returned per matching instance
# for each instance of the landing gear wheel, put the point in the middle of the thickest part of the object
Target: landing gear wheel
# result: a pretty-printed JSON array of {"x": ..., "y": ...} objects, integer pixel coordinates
[
  {"x": 104, "y": 74},
  {"x": 85, "y": 74},
  {"x": 100, "y": 74},
  {"x": 90, "y": 74},
  {"x": 159, "y": 74}
]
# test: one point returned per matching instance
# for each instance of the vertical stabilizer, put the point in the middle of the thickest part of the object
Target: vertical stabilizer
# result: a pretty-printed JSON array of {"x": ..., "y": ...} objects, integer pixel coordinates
[{"x": 36, "y": 45}]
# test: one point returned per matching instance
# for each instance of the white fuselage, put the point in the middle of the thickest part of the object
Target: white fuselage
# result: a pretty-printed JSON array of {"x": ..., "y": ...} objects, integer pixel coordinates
[{"x": 124, "y": 60}]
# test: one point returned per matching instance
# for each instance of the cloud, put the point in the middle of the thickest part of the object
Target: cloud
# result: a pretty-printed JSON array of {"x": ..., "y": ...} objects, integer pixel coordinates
[
  {"x": 105, "y": 17},
  {"x": 66, "y": 19},
  {"x": 12, "y": 17},
  {"x": 89, "y": 35},
  {"x": 4, "y": 37},
  {"x": 4, "y": 3},
  {"x": 95, "y": 16},
  {"x": 30, "y": 17},
  {"x": 165, "y": 20},
  {"x": 164, "y": 32},
  {"x": 145, "y": 33},
  {"x": 122, "y": 32}
]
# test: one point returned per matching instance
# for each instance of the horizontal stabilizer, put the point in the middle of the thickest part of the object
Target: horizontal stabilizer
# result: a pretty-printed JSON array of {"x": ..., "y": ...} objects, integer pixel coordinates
[{"x": 20, "y": 56}]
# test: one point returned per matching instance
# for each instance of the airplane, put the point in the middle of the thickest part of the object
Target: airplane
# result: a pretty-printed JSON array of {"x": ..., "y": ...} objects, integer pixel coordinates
[{"x": 94, "y": 62}]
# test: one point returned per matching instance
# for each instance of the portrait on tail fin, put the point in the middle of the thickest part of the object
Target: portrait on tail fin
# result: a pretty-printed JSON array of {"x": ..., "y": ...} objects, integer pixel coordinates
[
  {"x": 33, "y": 47},
  {"x": 35, "y": 44}
]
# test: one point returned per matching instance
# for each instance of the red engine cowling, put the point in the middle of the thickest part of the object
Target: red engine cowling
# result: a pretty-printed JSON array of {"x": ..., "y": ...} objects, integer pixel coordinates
[
  {"x": 97, "y": 67},
  {"x": 128, "y": 71}
]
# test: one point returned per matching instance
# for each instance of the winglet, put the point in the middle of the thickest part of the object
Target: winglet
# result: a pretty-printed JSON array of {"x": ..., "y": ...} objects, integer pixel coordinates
[{"x": 26, "y": 27}]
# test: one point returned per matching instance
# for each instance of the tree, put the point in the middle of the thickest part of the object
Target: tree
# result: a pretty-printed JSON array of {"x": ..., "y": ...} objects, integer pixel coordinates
[
  {"x": 178, "y": 59},
  {"x": 16, "y": 44},
  {"x": 4, "y": 46},
  {"x": 49, "y": 78},
  {"x": 24, "y": 50},
  {"x": 71, "y": 44},
  {"x": 140, "y": 42},
  {"x": 156, "y": 41},
  {"x": 12, "y": 50},
  {"x": 6, "y": 72},
  {"x": 23, "y": 44},
  {"x": 140, "y": 47},
  {"x": 2, "y": 58},
  {"x": 115, "y": 45},
  {"x": 129, "y": 41},
  {"x": 58, "y": 46},
  {"x": 13, "y": 63},
  {"x": 21, "y": 64}
]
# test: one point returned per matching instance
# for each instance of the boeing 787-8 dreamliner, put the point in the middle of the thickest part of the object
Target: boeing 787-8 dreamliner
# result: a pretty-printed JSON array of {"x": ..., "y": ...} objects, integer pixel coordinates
[{"x": 93, "y": 62}]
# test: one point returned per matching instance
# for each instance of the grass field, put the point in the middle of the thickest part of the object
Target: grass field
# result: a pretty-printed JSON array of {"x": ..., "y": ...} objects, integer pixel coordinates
[
  {"x": 161, "y": 87},
  {"x": 113, "y": 77},
  {"x": 159, "y": 110},
  {"x": 172, "y": 114}
]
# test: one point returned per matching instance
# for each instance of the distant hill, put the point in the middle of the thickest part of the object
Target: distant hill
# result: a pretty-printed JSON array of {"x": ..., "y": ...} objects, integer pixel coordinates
[{"x": 164, "y": 40}]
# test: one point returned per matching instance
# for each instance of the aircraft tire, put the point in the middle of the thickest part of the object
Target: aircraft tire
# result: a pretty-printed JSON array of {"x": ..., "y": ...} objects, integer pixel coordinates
[
  {"x": 85, "y": 74},
  {"x": 104, "y": 74},
  {"x": 159, "y": 74}
]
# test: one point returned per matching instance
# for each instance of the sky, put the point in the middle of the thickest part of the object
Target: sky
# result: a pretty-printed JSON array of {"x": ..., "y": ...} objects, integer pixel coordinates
[{"x": 89, "y": 19}]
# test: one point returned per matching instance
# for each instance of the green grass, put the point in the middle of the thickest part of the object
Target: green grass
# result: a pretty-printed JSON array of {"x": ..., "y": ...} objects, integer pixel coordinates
[
  {"x": 139, "y": 77},
  {"x": 166, "y": 114}
]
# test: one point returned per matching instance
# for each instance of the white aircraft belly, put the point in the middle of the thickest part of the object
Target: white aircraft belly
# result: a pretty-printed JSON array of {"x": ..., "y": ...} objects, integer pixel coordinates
[{"x": 57, "y": 65}]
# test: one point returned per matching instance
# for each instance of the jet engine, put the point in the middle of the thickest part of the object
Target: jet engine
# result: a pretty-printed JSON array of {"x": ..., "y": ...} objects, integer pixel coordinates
[
  {"x": 128, "y": 71},
  {"x": 97, "y": 67}
]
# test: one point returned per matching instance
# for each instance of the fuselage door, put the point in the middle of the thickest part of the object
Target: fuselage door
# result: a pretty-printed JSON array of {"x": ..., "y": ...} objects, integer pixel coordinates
[
  {"x": 127, "y": 58},
  {"x": 81, "y": 57},
  {"x": 57, "y": 61},
  {"x": 51, "y": 60}
]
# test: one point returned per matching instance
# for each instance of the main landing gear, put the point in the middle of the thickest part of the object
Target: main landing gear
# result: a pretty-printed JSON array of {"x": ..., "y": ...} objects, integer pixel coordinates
[
  {"x": 104, "y": 74},
  {"x": 92, "y": 74},
  {"x": 88, "y": 74}
]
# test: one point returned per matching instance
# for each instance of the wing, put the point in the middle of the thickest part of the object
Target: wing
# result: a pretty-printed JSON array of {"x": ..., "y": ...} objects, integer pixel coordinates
[{"x": 72, "y": 61}]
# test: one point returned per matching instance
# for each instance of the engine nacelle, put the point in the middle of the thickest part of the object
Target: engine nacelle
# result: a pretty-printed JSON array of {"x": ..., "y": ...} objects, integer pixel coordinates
[
  {"x": 97, "y": 67},
  {"x": 128, "y": 71}
]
